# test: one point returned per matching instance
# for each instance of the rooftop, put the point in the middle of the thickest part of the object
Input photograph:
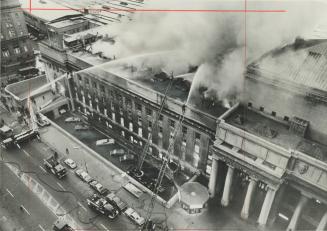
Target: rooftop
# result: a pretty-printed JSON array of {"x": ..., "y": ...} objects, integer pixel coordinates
[
  {"x": 303, "y": 63},
  {"x": 67, "y": 22},
  {"x": 149, "y": 75},
  {"x": 194, "y": 194},
  {"x": 49, "y": 15},
  {"x": 275, "y": 131},
  {"x": 21, "y": 90}
]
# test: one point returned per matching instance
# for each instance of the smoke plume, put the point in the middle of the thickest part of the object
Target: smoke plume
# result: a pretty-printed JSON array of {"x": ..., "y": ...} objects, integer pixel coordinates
[{"x": 216, "y": 42}]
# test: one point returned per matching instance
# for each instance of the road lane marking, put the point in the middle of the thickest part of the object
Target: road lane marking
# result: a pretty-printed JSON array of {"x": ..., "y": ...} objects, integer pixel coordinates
[
  {"x": 26, "y": 210},
  {"x": 80, "y": 204},
  {"x": 105, "y": 228},
  {"x": 18, "y": 146},
  {"x": 42, "y": 169},
  {"x": 40, "y": 226},
  {"x": 10, "y": 193},
  {"x": 62, "y": 187},
  {"x": 26, "y": 153}
]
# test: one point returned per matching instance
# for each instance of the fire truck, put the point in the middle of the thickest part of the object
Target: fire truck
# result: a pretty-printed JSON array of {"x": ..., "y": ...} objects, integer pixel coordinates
[
  {"x": 52, "y": 164},
  {"x": 20, "y": 138},
  {"x": 102, "y": 205}
]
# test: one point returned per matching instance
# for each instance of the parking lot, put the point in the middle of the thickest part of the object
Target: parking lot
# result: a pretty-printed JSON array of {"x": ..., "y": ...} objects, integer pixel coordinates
[{"x": 91, "y": 135}]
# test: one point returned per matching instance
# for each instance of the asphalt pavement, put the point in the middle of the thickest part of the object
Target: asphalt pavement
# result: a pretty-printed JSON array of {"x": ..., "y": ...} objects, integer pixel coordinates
[{"x": 45, "y": 197}]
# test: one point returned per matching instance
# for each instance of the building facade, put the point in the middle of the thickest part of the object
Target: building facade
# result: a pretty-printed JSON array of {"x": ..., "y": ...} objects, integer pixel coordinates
[
  {"x": 270, "y": 152},
  {"x": 129, "y": 114},
  {"x": 17, "y": 55}
]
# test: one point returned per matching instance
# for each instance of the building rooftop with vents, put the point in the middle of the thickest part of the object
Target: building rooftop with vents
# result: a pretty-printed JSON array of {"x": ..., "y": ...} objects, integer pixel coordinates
[{"x": 276, "y": 131}]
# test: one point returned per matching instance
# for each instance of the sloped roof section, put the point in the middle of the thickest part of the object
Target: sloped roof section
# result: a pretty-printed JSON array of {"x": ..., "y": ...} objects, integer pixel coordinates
[{"x": 306, "y": 67}]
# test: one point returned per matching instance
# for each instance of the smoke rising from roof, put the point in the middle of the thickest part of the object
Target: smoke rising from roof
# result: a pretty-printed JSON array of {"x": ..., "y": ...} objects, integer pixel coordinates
[{"x": 215, "y": 41}]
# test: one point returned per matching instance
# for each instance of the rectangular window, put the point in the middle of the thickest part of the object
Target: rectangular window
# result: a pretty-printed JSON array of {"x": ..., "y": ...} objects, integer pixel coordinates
[
  {"x": 184, "y": 130},
  {"x": 197, "y": 148},
  {"x": 197, "y": 135},
  {"x": 262, "y": 108},
  {"x": 249, "y": 104},
  {"x": 17, "y": 50},
  {"x": 5, "y": 53},
  {"x": 286, "y": 118},
  {"x": 12, "y": 33},
  {"x": 273, "y": 113},
  {"x": 139, "y": 132},
  {"x": 138, "y": 106},
  {"x": 101, "y": 88},
  {"x": 172, "y": 123},
  {"x": 161, "y": 118},
  {"x": 149, "y": 112}
]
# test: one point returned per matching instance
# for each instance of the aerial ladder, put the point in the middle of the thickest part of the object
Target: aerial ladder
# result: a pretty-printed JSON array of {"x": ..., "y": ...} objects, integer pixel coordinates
[
  {"x": 162, "y": 171},
  {"x": 155, "y": 123}
]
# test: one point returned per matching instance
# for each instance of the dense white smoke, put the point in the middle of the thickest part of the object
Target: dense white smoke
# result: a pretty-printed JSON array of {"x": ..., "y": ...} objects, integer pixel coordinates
[{"x": 215, "y": 41}]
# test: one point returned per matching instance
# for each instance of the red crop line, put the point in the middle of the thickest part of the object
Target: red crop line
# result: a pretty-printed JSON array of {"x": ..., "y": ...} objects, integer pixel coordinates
[{"x": 160, "y": 10}]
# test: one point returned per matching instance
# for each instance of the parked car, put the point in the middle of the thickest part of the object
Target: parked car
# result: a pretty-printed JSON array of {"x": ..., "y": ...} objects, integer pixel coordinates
[
  {"x": 83, "y": 175},
  {"x": 117, "y": 152},
  {"x": 121, "y": 205},
  {"x": 99, "y": 187},
  {"x": 72, "y": 119},
  {"x": 86, "y": 177},
  {"x": 82, "y": 127},
  {"x": 105, "y": 142},
  {"x": 70, "y": 163},
  {"x": 62, "y": 111},
  {"x": 126, "y": 157},
  {"x": 134, "y": 216},
  {"x": 78, "y": 172}
]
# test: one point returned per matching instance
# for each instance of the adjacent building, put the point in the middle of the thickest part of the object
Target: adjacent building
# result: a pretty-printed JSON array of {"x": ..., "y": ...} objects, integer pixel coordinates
[
  {"x": 17, "y": 55},
  {"x": 270, "y": 151}
]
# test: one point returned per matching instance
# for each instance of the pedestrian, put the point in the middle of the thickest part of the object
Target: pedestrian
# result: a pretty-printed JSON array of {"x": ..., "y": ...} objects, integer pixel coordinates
[
  {"x": 21, "y": 208},
  {"x": 67, "y": 151}
]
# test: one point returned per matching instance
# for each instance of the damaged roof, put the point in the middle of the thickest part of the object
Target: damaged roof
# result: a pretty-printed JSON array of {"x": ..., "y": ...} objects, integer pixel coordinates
[{"x": 305, "y": 66}]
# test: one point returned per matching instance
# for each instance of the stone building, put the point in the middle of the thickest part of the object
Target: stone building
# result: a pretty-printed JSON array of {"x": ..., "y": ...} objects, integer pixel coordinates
[
  {"x": 270, "y": 151},
  {"x": 17, "y": 56},
  {"x": 124, "y": 99}
]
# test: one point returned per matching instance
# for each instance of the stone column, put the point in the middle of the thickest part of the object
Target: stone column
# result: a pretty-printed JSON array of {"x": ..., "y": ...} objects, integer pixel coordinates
[
  {"x": 297, "y": 214},
  {"x": 323, "y": 223},
  {"x": 248, "y": 198},
  {"x": 266, "y": 206},
  {"x": 213, "y": 178},
  {"x": 228, "y": 184}
]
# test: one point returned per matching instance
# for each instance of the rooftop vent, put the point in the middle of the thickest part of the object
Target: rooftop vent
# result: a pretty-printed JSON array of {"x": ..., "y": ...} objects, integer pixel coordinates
[
  {"x": 299, "y": 126},
  {"x": 265, "y": 130},
  {"x": 239, "y": 119}
]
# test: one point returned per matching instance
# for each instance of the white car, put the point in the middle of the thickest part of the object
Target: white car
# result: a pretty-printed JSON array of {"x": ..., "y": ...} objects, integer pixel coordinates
[
  {"x": 70, "y": 163},
  {"x": 105, "y": 142},
  {"x": 134, "y": 216},
  {"x": 72, "y": 119},
  {"x": 83, "y": 175},
  {"x": 117, "y": 152}
]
